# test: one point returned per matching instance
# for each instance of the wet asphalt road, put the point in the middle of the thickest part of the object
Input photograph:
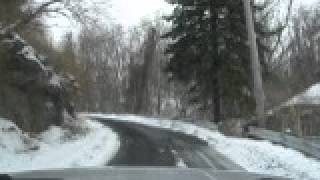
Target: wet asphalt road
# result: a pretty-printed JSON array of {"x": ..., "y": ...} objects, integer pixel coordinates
[{"x": 146, "y": 146}]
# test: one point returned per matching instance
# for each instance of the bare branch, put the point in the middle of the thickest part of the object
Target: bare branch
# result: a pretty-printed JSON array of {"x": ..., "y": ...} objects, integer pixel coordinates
[{"x": 39, "y": 11}]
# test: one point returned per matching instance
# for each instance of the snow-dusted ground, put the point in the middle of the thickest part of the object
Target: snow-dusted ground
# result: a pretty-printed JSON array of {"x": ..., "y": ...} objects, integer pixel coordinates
[
  {"x": 255, "y": 156},
  {"x": 55, "y": 148}
]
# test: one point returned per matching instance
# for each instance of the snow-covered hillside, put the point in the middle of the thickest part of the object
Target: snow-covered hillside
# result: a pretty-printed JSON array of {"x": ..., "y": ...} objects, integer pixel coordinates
[
  {"x": 255, "y": 156},
  {"x": 55, "y": 148}
]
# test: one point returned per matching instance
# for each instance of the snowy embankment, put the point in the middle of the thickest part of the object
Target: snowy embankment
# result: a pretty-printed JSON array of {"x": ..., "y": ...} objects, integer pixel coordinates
[
  {"x": 255, "y": 156},
  {"x": 55, "y": 148}
]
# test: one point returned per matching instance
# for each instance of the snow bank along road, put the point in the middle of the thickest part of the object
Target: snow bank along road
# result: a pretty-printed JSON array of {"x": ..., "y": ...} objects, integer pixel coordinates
[
  {"x": 255, "y": 156},
  {"x": 55, "y": 148}
]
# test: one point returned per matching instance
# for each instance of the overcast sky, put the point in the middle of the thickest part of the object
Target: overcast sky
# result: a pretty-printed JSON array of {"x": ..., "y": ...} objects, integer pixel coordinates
[
  {"x": 124, "y": 12},
  {"x": 130, "y": 12},
  {"x": 306, "y": 2}
]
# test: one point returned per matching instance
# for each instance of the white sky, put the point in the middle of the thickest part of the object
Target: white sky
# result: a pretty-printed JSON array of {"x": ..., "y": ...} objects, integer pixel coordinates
[
  {"x": 124, "y": 12},
  {"x": 305, "y": 2},
  {"x": 128, "y": 13}
]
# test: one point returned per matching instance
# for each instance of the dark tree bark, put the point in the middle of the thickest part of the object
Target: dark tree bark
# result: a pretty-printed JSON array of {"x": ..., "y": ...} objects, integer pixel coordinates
[{"x": 143, "y": 102}]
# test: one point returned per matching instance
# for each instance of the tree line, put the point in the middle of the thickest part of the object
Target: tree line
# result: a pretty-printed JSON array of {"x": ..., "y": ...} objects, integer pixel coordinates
[{"x": 196, "y": 64}]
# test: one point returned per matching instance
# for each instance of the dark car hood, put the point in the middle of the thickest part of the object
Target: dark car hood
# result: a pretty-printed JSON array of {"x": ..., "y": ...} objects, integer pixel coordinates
[{"x": 141, "y": 173}]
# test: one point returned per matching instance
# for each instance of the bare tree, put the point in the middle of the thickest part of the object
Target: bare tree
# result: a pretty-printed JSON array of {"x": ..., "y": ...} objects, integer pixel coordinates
[{"x": 73, "y": 9}]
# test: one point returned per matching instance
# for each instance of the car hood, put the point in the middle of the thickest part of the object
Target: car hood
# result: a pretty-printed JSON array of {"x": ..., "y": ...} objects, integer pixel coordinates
[{"x": 141, "y": 173}]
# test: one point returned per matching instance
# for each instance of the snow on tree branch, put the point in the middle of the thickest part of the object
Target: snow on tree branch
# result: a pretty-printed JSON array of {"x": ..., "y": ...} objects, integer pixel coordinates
[{"x": 79, "y": 10}]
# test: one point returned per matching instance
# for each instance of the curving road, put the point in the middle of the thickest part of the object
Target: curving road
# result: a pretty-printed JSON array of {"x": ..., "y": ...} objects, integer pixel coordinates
[{"x": 146, "y": 146}]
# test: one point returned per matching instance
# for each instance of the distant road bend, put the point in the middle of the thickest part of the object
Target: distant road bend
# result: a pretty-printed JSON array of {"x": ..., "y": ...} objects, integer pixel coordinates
[{"x": 147, "y": 146}]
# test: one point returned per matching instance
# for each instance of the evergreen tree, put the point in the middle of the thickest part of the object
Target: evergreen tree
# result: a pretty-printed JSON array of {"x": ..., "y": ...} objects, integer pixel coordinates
[{"x": 210, "y": 53}]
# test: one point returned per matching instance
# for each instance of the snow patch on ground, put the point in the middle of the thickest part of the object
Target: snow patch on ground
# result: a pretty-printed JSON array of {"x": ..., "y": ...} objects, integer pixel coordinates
[
  {"x": 55, "y": 81},
  {"x": 28, "y": 53},
  {"x": 255, "y": 156},
  {"x": 179, "y": 161},
  {"x": 265, "y": 157},
  {"x": 55, "y": 148}
]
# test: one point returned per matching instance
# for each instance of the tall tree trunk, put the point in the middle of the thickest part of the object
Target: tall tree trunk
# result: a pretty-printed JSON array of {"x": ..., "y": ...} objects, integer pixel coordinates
[
  {"x": 255, "y": 65},
  {"x": 216, "y": 103},
  {"x": 159, "y": 85},
  {"x": 215, "y": 54},
  {"x": 144, "y": 99}
]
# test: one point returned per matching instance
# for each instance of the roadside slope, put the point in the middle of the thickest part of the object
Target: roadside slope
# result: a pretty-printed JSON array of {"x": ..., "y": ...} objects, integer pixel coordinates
[{"x": 55, "y": 148}]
